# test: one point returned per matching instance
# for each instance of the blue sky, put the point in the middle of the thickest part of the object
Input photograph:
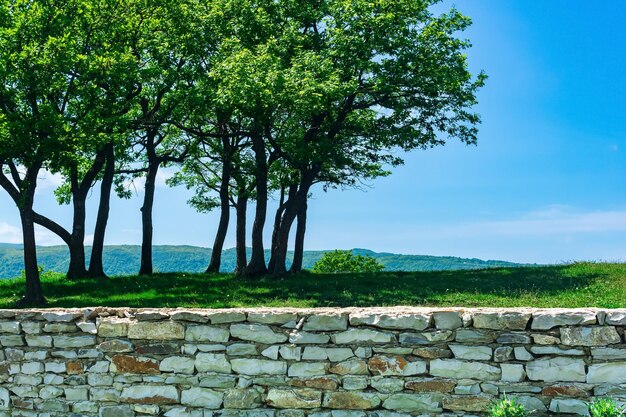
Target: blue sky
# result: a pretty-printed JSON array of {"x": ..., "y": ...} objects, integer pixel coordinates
[{"x": 546, "y": 183}]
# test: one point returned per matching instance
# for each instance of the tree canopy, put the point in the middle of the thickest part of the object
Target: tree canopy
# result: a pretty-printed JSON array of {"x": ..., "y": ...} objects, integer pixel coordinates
[{"x": 248, "y": 98}]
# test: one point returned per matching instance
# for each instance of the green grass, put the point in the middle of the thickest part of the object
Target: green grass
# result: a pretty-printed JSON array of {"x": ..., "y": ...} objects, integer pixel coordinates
[{"x": 575, "y": 285}]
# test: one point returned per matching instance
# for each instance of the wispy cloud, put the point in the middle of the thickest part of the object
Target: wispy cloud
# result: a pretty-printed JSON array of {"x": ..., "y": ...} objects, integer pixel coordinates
[{"x": 550, "y": 221}]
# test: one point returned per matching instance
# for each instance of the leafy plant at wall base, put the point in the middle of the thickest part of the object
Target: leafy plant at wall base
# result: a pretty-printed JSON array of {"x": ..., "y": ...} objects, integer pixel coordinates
[
  {"x": 605, "y": 407},
  {"x": 344, "y": 261},
  {"x": 507, "y": 407}
]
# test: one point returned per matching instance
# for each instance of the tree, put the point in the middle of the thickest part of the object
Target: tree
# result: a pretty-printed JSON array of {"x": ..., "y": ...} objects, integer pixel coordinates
[
  {"x": 51, "y": 76},
  {"x": 166, "y": 41},
  {"x": 369, "y": 78}
]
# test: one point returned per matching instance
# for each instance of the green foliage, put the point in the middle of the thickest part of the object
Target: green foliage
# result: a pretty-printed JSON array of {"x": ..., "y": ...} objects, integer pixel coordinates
[
  {"x": 344, "y": 261},
  {"x": 506, "y": 407},
  {"x": 605, "y": 407}
]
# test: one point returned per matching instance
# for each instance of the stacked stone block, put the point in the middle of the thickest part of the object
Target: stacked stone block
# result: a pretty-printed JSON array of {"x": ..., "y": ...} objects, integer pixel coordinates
[{"x": 294, "y": 363}]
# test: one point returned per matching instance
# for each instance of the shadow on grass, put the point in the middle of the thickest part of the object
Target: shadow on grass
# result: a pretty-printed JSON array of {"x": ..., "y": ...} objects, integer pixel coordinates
[{"x": 488, "y": 287}]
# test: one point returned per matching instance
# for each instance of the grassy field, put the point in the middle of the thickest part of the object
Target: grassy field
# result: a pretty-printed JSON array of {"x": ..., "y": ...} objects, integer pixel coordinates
[{"x": 576, "y": 285}]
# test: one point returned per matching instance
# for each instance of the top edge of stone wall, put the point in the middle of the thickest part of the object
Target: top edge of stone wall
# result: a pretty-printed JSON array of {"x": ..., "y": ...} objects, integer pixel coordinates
[{"x": 393, "y": 310}]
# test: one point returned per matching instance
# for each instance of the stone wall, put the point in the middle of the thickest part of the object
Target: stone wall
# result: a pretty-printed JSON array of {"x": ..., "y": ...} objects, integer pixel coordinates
[{"x": 322, "y": 363}]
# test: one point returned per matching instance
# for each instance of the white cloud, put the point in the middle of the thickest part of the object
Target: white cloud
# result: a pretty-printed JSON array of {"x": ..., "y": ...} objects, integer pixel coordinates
[
  {"x": 550, "y": 221},
  {"x": 10, "y": 234}
]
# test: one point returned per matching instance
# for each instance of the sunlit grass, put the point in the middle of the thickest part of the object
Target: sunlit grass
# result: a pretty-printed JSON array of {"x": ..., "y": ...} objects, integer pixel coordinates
[{"x": 575, "y": 285}]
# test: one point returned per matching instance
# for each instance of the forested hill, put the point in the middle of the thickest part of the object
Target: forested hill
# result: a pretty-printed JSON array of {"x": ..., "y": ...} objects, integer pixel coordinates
[{"x": 124, "y": 260}]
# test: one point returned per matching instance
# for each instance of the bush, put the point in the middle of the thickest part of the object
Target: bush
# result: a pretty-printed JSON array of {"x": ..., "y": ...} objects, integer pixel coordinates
[
  {"x": 605, "y": 407},
  {"x": 506, "y": 407},
  {"x": 344, "y": 261}
]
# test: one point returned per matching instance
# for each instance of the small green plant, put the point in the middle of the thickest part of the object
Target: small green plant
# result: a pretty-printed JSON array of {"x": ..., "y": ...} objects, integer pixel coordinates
[
  {"x": 605, "y": 407},
  {"x": 344, "y": 261},
  {"x": 506, "y": 407}
]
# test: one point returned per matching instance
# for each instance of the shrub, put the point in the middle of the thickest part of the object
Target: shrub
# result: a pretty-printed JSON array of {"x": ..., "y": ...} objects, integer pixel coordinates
[
  {"x": 344, "y": 261},
  {"x": 506, "y": 407},
  {"x": 605, "y": 407}
]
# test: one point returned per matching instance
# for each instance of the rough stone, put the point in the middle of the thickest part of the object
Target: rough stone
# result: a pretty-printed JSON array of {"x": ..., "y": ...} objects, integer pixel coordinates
[
  {"x": 475, "y": 336},
  {"x": 408, "y": 403},
  {"x": 431, "y": 385},
  {"x": 293, "y": 353},
  {"x": 134, "y": 365},
  {"x": 395, "y": 365},
  {"x": 351, "y": 400},
  {"x": 308, "y": 369},
  {"x": 513, "y": 338},
  {"x": 609, "y": 373},
  {"x": 326, "y": 322},
  {"x": 326, "y": 382},
  {"x": 226, "y": 317},
  {"x": 294, "y": 398},
  {"x": 532, "y": 404},
  {"x": 116, "y": 346},
  {"x": 242, "y": 398},
  {"x": 426, "y": 338},
  {"x": 448, "y": 320},
  {"x": 191, "y": 316},
  {"x": 387, "y": 385},
  {"x": 178, "y": 364},
  {"x": 513, "y": 372},
  {"x": 432, "y": 353},
  {"x": 271, "y": 317},
  {"x": 546, "y": 320},
  {"x": 112, "y": 327},
  {"x": 501, "y": 320},
  {"x": 116, "y": 411},
  {"x": 608, "y": 353},
  {"x": 401, "y": 321},
  {"x": 165, "y": 330},
  {"x": 503, "y": 354},
  {"x": 150, "y": 394},
  {"x": 303, "y": 338},
  {"x": 206, "y": 334},
  {"x": 589, "y": 336},
  {"x": 213, "y": 362},
  {"x": 258, "y": 333},
  {"x": 201, "y": 397},
  {"x": 351, "y": 367},
  {"x": 564, "y": 391},
  {"x": 521, "y": 354},
  {"x": 556, "y": 369},
  {"x": 569, "y": 406},
  {"x": 555, "y": 350},
  {"x": 472, "y": 403},
  {"x": 364, "y": 336},
  {"x": 452, "y": 368},
  {"x": 259, "y": 367},
  {"x": 615, "y": 318},
  {"x": 479, "y": 353}
]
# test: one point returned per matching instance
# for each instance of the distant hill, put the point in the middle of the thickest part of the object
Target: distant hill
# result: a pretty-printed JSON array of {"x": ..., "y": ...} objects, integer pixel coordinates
[{"x": 124, "y": 260}]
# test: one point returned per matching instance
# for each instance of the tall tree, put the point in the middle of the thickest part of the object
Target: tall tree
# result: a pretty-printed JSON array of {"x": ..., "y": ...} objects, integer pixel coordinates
[
  {"x": 370, "y": 79},
  {"x": 51, "y": 78}
]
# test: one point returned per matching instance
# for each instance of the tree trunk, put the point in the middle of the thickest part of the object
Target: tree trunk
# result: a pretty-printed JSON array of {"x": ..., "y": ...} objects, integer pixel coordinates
[
  {"x": 241, "y": 208},
  {"x": 257, "y": 266},
  {"x": 96, "y": 265},
  {"x": 297, "y": 199},
  {"x": 222, "y": 229},
  {"x": 22, "y": 192},
  {"x": 277, "y": 221},
  {"x": 34, "y": 293},
  {"x": 146, "y": 218},
  {"x": 298, "y": 253},
  {"x": 77, "y": 242},
  {"x": 279, "y": 252}
]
